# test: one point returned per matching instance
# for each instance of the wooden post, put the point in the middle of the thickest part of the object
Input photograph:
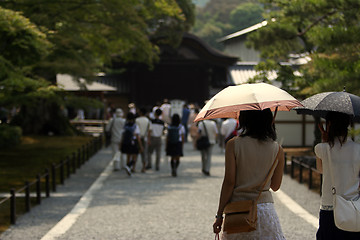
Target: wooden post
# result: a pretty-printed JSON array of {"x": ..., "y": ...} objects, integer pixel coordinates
[
  {"x": 62, "y": 172},
  {"x": 53, "y": 177},
  {"x": 47, "y": 182},
  {"x": 83, "y": 157},
  {"x": 68, "y": 166},
  {"x": 27, "y": 196},
  {"x": 73, "y": 159},
  {"x": 38, "y": 189},
  {"x": 12, "y": 206},
  {"x": 79, "y": 157}
]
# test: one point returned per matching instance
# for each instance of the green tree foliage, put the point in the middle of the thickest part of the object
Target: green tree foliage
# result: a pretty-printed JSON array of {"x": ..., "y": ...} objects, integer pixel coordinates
[
  {"x": 327, "y": 31},
  {"x": 42, "y": 38},
  {"x": 87, "y": 34},
  {"x": 9, "y": 136},
  {"x": 222, "y": 17},
  {"x": 22, "y": 46}
]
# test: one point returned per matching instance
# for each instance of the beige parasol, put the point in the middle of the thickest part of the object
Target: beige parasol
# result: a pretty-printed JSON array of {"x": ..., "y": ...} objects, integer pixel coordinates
[{"x": 257, "y": 96}]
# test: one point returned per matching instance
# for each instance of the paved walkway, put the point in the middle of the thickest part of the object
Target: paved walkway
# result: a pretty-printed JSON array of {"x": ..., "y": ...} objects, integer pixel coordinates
[{"x": 98, "y": 203}]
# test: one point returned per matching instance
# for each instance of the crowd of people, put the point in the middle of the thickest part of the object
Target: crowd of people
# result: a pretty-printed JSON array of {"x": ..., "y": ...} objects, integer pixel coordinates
[{"x": 144, "y": 132}]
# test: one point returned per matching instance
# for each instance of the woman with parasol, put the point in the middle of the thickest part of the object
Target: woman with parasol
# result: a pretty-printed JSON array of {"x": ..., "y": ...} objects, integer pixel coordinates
[
  {"x": 254, "y": 161},
  {"x": 337, "y": 157},
  {"x": 248, "y": 160},
  {"x": 345, "y": 168}
]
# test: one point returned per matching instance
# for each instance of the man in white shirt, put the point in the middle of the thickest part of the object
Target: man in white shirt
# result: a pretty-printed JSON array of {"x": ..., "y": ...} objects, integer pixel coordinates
[
  {"x": 115, "y": 127},
  {"x": 208, "y": 128},
  {"x": 155, "y": 144},
  {"x": 145, "y": 133},
  {"x": 228, "y": 127}
]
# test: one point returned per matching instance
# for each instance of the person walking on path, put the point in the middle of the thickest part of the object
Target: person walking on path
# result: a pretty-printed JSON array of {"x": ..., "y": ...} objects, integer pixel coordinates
[
  {"x": 229, "y": 129},
  {"x": 175, "y": 143},
  {"x": 221, "y": 139},
  {"x": 155, "y": 142},
  {"x": 207, "y": 128},
  {"x": 248, "y": 160},
  {"x": 145, "y": 133},
  {"x": 130, "y": 142},
  {"x": 165, "y": 108},
  {"x": 115, "y": 127},
  {"x": 184, "y": 120},
  {"x": 336, "y": 156},
  {"x": 193, "y": 129}
]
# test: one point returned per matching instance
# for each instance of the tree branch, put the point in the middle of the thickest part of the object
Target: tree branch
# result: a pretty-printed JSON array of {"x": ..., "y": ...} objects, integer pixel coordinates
[{"x": 316, "y": 22}]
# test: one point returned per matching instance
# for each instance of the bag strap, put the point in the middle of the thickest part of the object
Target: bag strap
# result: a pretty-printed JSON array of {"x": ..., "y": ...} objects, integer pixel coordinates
[
  {"x": 331, "y": 171},
  {"x": 217, "y": 236},
  {"x": 268, "y": 175},
  {"x": 112, "y": 124},
  {"x": 205, "y": 129},
  {"x": 333, "y": 188}
]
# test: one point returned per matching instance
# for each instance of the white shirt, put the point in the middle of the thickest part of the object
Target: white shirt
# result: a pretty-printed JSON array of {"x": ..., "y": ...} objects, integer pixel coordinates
[
  {"x": 116, "y": 126},
  {"x": 227, "y": 127},
  {"x": 211, "y": 129},
  {"x": 137, "y": 131},
  {"x": 157, "y": 128},
  {"x": 181, "y": 132},
  {"x": 345, "y": 162},
  {"x": 166, "y": 112},
  {"x": 144, "y": 124}
]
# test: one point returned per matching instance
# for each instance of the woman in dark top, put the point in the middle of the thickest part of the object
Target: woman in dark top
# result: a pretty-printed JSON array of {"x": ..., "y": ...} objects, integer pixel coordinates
[{"x": 175, "y": 142}]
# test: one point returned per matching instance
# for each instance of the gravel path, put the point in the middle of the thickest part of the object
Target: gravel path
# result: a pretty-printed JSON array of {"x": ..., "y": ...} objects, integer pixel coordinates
[{"x": 153, "y": 205}]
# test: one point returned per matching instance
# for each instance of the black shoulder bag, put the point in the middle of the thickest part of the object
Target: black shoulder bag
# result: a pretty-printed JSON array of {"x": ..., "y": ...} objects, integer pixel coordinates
[{"x": 203, "y": 142}]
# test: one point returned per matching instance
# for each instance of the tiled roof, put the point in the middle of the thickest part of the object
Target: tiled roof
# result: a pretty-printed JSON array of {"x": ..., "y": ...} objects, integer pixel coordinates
[
  {"x": 242, "y": 72},
  {"x": 67, "y": 83}
]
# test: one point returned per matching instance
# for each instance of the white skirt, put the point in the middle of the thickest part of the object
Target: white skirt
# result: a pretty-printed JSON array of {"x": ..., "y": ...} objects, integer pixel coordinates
[{"x": 268, "y": 226}]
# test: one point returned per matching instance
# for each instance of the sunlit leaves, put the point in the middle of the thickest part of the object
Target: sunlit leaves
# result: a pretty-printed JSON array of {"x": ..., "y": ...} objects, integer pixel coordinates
[{"x": 325, "y": 30}]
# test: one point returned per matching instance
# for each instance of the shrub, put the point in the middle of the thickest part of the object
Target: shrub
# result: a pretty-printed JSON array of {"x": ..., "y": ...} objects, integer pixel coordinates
[{"x": 9, "y": 135}]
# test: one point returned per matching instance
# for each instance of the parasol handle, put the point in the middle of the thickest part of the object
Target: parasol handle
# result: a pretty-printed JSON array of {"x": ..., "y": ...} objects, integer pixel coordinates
[{"x": 275, "y": 112}]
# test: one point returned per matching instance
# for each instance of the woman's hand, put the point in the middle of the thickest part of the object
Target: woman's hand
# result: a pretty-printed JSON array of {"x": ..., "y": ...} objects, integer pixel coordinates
[
  {"x": 324, "y": 133},
  {"x": 217, "y": 225}
]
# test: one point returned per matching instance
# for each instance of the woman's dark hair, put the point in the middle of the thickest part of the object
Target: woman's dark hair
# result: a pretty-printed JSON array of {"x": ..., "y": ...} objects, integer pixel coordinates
[
  {"x": 158, "y": 112},
  {"x": 338, "y": 127},
  {"x": 175, "y": 120},
  {"x": 130, "y": 116},
  {"x": 257, "y": 124}
]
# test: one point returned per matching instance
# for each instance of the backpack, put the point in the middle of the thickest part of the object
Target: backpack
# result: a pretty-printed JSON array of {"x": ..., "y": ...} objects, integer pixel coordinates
[
  {"x": 128, "y": 134},
  {"x": 173, "y": 134}
]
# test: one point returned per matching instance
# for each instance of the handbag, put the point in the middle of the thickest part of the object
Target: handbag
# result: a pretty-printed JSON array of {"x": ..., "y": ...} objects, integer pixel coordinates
[
  {"x": 346, "y": 212},
  {"x": 203, "y": 142},
  {"x": 241, "y": 216},
  {"x": 108, "y": 133}
]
